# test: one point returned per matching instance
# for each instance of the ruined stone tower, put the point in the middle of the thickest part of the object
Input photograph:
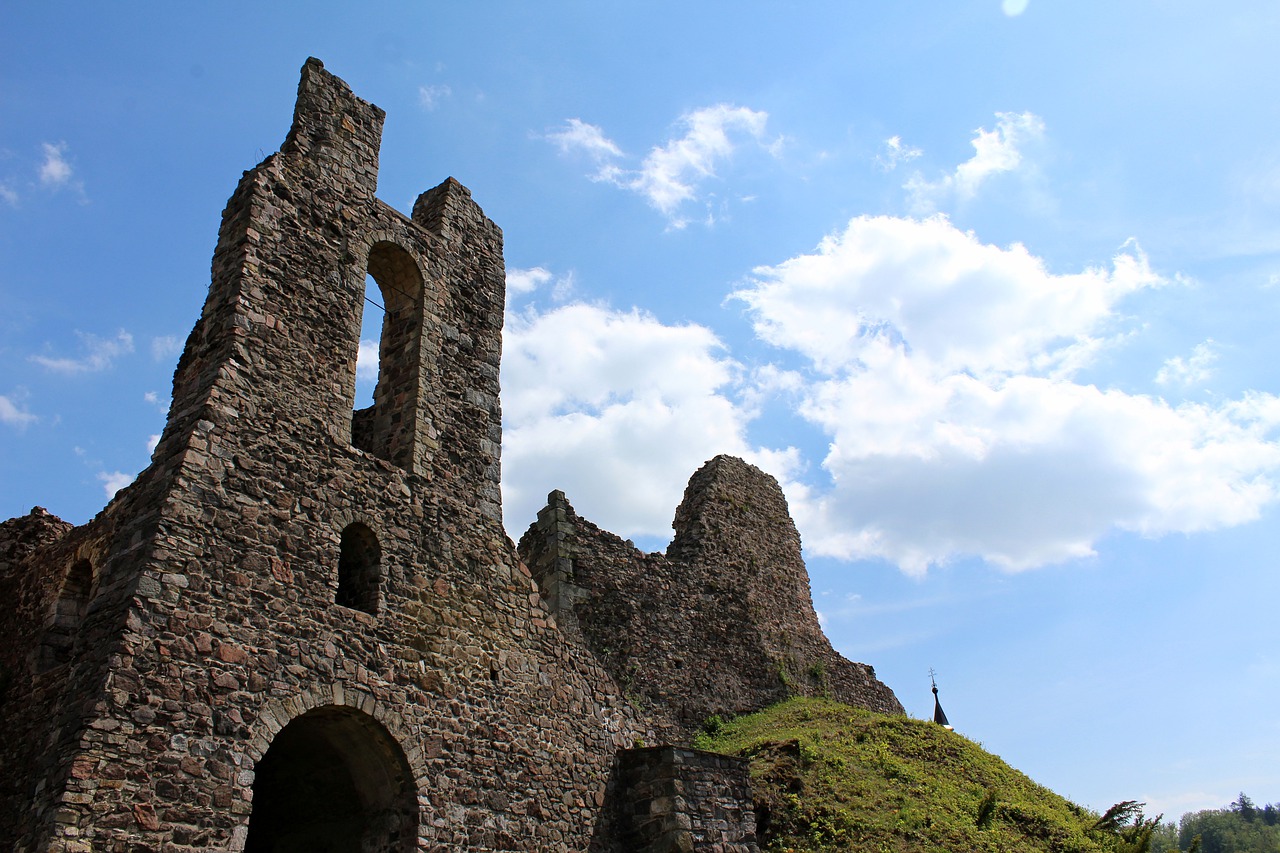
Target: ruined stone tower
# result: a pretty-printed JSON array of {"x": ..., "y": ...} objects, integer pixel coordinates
[{"x": 303, "y": 627}]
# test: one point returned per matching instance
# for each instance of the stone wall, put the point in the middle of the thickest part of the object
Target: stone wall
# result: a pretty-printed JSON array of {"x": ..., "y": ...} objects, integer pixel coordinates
[
  {"x": 722, "y": 623},
  {"x": 676, "y": 800},
  {"x": 216, "y": 636},
  {"x": 304, "y": 625}
]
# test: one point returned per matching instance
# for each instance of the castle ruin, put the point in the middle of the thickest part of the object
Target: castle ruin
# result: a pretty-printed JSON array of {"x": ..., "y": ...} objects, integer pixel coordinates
[{"x": 303, "y": 626}]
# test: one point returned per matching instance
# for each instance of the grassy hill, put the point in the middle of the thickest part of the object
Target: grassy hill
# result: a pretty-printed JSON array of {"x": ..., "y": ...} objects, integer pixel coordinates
[{"x": 830, "y": 777}]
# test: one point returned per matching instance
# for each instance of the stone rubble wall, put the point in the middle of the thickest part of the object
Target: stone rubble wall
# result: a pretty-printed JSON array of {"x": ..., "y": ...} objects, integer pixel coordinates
[
  {"x": 214, "y": 623},
  {"x": 151, "y": 658},
  {"x": 721, "y": 624},
  {"x": 680, "y": 800}
]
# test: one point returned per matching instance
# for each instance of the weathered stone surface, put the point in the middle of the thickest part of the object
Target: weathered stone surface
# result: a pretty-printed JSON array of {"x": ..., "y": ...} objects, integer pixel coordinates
[
  {"x": 723, "y": 623},
  {"x": 304, "y": 623}
]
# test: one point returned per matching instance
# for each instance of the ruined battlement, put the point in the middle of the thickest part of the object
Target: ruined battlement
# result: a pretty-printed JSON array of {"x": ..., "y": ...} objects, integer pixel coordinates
[{"x": 303, "y": 625}]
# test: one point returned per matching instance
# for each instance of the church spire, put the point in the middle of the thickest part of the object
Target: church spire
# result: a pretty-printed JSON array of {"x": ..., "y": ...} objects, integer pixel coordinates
[{"x": 939, "y": 716}]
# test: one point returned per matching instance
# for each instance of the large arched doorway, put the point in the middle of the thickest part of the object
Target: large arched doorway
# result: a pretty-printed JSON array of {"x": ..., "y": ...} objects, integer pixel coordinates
[{"x": 333, "y": 781}]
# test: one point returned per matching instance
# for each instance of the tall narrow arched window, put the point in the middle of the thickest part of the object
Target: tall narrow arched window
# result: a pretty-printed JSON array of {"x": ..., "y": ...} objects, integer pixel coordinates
[
  {"x": 359, "y": 569},
  {"x": 68, "y": 614},
  {"x": 387, "y": 428}
]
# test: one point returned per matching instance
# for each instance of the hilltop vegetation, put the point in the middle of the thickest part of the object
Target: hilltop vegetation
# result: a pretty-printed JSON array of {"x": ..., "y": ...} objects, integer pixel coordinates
[{"x": 830, "y": 777}]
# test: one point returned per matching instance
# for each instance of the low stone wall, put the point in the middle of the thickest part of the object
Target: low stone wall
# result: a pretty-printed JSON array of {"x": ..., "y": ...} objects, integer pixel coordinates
[{"x": 676, "y": 799}]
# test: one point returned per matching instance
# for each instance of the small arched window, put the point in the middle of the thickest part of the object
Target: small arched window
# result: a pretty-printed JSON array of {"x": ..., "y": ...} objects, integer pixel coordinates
[
  {"x": 68, "y": 614},
  {"x": 359, "y": 569}
]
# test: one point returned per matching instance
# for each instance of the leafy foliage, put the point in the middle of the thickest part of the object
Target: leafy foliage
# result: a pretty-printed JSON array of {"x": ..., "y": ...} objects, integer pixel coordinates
[
  {"x": 1240, "y": 827},
  {"x": 830, "y": 777}
]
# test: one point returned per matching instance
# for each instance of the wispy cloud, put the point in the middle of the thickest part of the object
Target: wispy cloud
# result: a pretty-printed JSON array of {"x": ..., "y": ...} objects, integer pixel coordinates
[
  {"x": 99, "y": 354},
  {"x": 588, "y": 139},
  {"x": 8, "y": 194},
  {"x": 165, "y": 347},
  {"x": 675, "y": 173},
  {"x": 1192, "y": 370},
  {"x": 995, "y": 152},
  {"x": 429, "y": 97},
  {"x": 894, "y": 153},
  {"x": 55, "y": 171},
  {"x": 523, "y": 282},
  {"x": 12, "y": 414}
]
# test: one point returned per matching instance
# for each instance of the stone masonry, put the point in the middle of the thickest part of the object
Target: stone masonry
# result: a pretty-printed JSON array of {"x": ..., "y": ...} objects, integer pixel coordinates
[
  {"x": 303, "y": 626},
  {"x": 721, "y": 624}
]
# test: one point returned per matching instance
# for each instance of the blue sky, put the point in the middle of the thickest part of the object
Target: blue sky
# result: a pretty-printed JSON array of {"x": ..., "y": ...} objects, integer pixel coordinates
[{"x": 988, "y": 287}]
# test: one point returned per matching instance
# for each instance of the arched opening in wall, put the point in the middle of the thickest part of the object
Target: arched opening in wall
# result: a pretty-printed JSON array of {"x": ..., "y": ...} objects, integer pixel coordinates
[
  {"x": 386, "y": 427},
  {"x": 67, "y": 616},
  {"x": 359, "y": 569},
  {"x": 370, "y": 337},
  {"x": 333, "y": 779}
]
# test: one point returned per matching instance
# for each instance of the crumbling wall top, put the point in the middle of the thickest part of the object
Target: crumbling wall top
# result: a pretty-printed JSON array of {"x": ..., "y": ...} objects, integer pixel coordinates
[{"x": 334, "y": 129}]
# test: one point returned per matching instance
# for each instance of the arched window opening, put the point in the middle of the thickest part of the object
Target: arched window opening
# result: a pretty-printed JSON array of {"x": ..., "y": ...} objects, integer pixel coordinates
[
  {"x": 391, "y": 319},
  {"x": 370, "y": 337},
  {"x": 359, "y": 569},
  {"x": 67, "y": 616},
  {"x": 333, "y": 780}
]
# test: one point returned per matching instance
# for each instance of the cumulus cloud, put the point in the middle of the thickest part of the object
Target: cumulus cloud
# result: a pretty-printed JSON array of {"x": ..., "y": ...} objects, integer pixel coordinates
[
  {"x": 995, "y": 152},
  {"x": 616, "y": 408},
  {"x": 1192, "y": 370},
  {"x": 942, "y": 370},
  {"x": 12, "y": 414},
  {"x": 99, "y": 354},
  {"x": 672, "y": 174}
]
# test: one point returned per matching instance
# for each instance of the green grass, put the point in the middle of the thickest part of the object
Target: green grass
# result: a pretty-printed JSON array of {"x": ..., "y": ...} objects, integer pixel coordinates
[{"x": 830, "y": 777}]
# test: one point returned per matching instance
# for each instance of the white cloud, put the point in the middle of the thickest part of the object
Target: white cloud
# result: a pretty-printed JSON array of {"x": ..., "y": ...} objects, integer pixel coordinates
[
  {"x": 55, "y": 171},
  {"x": 367, "y": 361},
  {"x": 524, "y": 281},
  {"x": 153, "y": 441},
  {"x": 8, "y": 194},
  {"x": 13, "y": 414},
  {"x": 99, "y": 354},
  {"x": 895, "y": 153},
  {"x": 1193, "y": 370},
  {"x": 995, "y": 152},
  {"x": 616, "y": 408},
  {"x": 1013, "y": 8},
  {"x": 578, "y": 136},
  {"x": 431, "y": 96},
  {"x": 942, "y": 371},
  {"x": 114, "y": 481},
  {"x": 165, "y": 347},
  {"x": 161, "y": 403},
  {"x": 672, "y": 175}
]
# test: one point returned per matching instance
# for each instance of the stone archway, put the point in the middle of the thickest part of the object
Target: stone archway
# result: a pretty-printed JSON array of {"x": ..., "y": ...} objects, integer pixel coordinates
[{"x": 334, "y": 780}]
